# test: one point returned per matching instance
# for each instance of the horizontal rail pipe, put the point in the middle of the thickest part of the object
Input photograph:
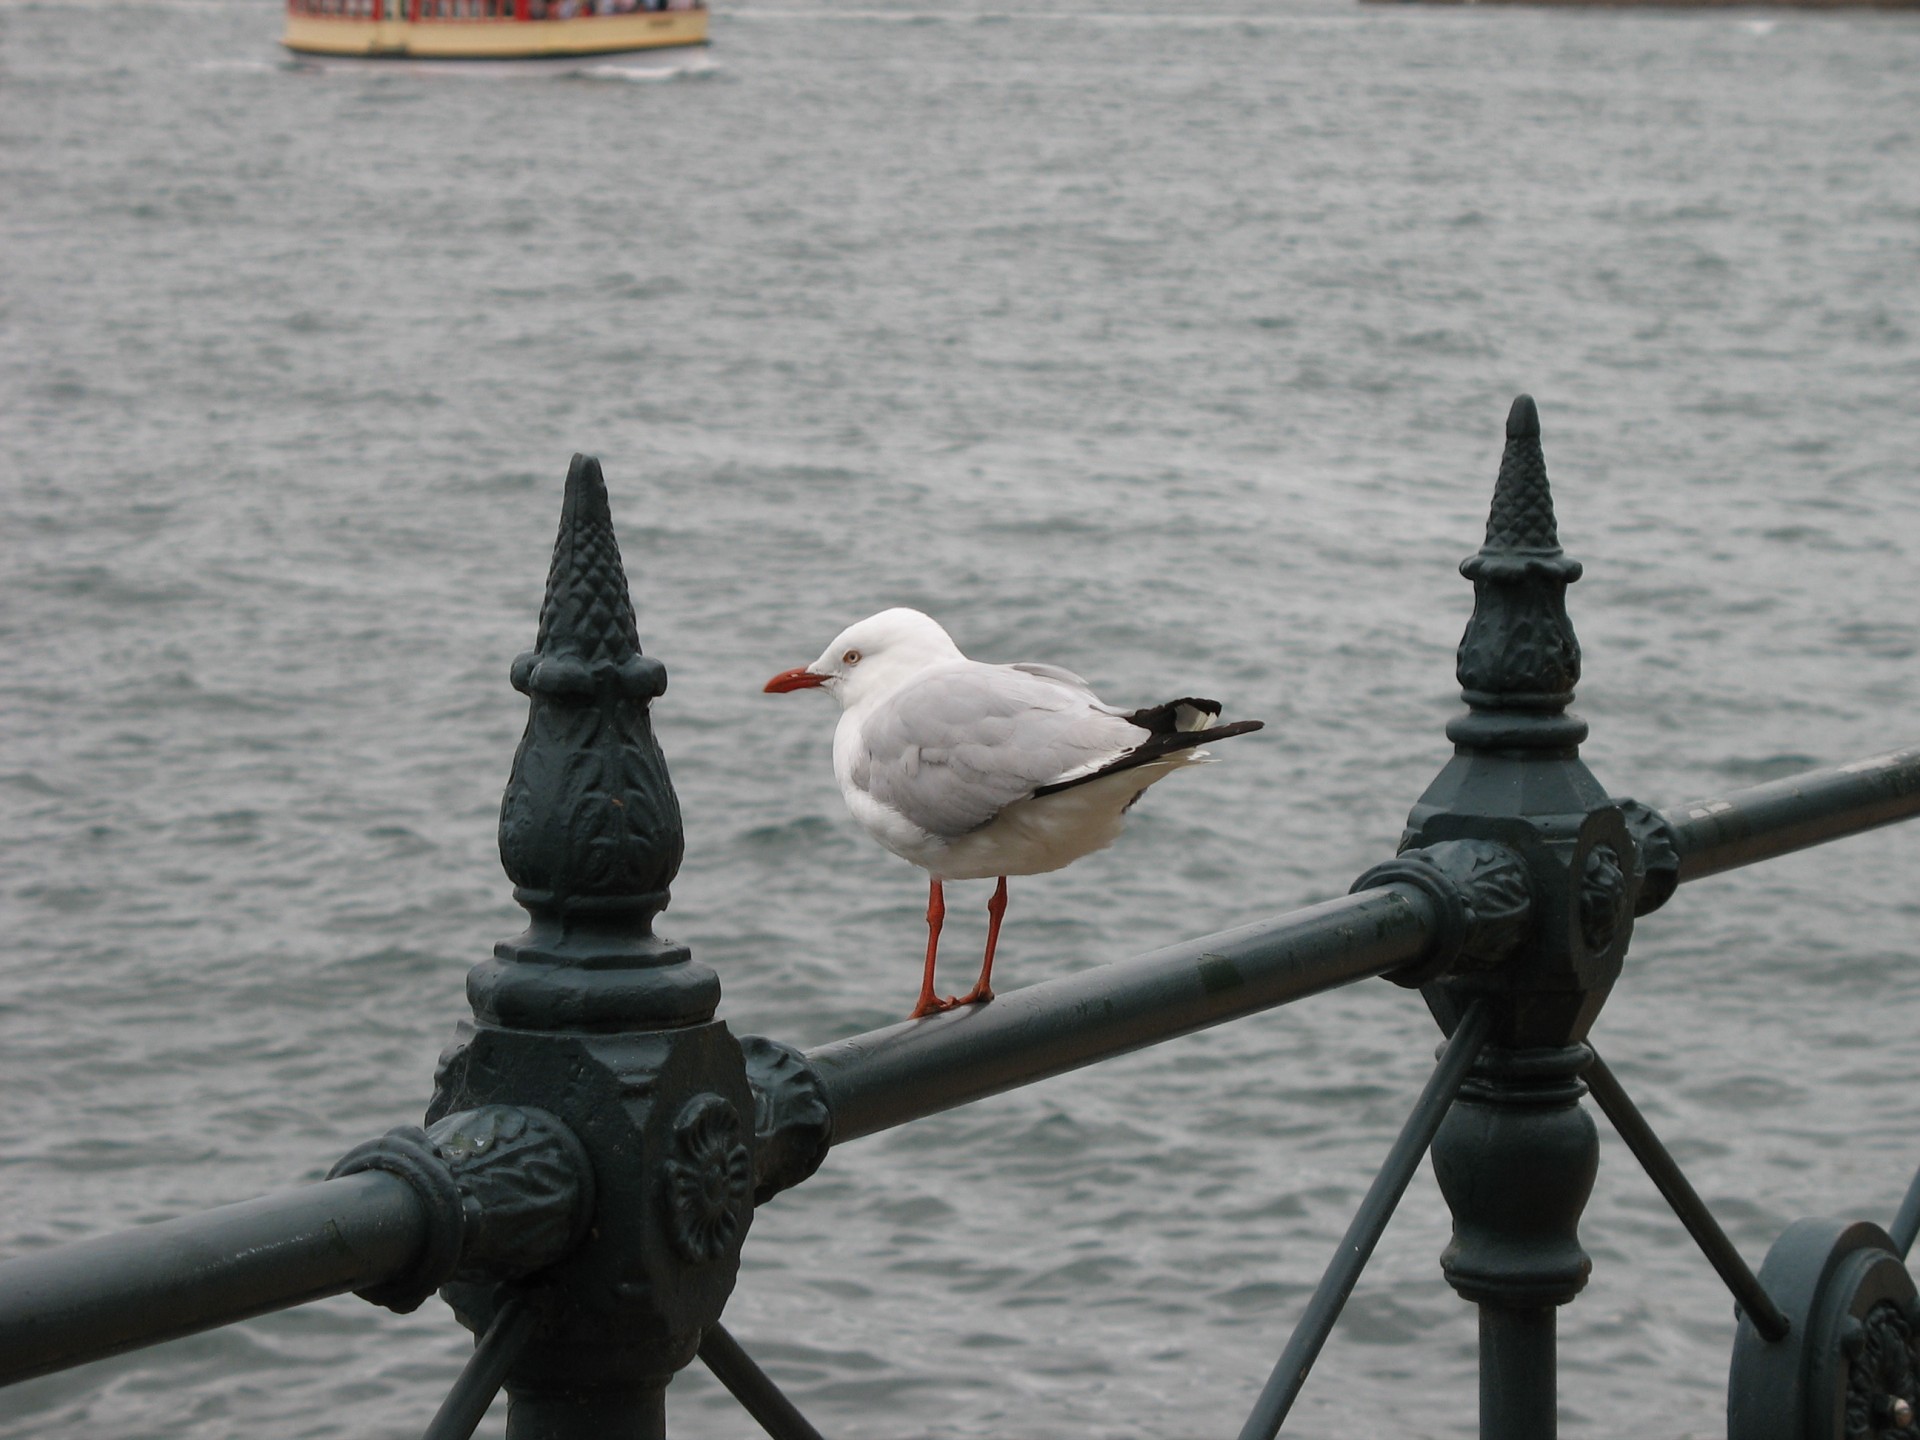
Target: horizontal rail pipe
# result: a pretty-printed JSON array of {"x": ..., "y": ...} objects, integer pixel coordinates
[
  {"x": 95, "y": 1298},
  {"x": 888, "y": 1077},
  {"x": 1795, "y": 813},
  {"x": 101, "y": 1297}
]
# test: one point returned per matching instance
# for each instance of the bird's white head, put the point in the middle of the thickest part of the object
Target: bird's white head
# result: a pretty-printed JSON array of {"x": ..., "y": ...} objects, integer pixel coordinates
[{"x": 873, "y": 657}]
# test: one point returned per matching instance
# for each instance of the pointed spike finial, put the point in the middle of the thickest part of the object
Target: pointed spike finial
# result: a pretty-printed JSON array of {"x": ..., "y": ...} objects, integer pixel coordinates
[
  {"x": 1522, "y": 513},
  {"x": 587, "y": 610},
  {"x": 588, "y": 635},
  {"x": 590, "y": 829},
  {"x": 1519, "y": 653}
]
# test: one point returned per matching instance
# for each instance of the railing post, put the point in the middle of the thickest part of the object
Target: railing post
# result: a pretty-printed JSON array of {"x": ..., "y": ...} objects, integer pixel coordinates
[
  {"x": 591, "y": 1016},
  {"x": 1516, "y": 1155},
  {"x": 1516, "y": 1159}
]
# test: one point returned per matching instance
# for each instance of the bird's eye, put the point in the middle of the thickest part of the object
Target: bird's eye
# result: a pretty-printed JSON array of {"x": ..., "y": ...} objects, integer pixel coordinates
[{"x": 852, "y": 657}]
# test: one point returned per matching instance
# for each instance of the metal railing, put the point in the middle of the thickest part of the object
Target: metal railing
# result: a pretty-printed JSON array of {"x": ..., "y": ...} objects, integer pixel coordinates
[{"x": 598, "y": 1143}]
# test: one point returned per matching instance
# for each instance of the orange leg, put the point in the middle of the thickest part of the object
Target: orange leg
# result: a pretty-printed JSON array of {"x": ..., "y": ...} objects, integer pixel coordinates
[
  {"x": 931, "y": 1004},
  {"x": 996, "y": 910}
]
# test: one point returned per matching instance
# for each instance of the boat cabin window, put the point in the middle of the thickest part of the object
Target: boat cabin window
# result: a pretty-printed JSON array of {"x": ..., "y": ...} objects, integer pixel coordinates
[
  {"x": 572, "y": 9},
  {"x": 494, "y": 10},
  {"x": 346, "y": 9}
]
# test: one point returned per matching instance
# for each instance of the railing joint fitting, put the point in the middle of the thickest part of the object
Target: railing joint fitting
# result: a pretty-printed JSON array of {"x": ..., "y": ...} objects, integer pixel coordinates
[
  {"x": 1482, "y": 898},
  {"x": 1657, "y": 846},
  {"x": 792, "y": 1122},
  {"x": 505, "y": 1192},
  {"x": 406, "y": 1152}
]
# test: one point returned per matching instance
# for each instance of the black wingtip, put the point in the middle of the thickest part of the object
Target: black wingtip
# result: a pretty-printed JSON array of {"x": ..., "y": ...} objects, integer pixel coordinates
[
  {"x": 1165, "y": 719},
  {"x": 1160, "y": 744},
  {"x": 1236, "y": 727}
]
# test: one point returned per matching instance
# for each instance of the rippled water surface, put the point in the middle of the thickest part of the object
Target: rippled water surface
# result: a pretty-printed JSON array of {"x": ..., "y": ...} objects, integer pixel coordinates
[{"x": 1171, "y": 344}]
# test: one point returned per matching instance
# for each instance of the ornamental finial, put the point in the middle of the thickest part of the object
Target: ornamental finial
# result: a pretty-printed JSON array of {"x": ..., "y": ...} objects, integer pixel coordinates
[
  {"x": 587, "y": 610},
  {"x": 590, "y": 829},
  {"x": 1519, "y": 656},
  {"x": 1522, "y": 513},
  {"x": 587, "y": 636}
]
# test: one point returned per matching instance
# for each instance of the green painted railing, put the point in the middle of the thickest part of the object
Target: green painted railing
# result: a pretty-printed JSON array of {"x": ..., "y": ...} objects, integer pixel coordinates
[{"x": 598, "y": 1143}]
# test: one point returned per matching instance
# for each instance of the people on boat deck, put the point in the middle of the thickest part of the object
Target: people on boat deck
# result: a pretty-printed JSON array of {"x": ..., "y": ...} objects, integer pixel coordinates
[
  {"x": 569, "y": 9},
  {"x": 482, "y": 9}
]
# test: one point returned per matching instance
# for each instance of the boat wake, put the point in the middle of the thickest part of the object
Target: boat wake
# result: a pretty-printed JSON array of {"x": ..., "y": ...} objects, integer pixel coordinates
[
  {"x": 238, "y": 65},
  {"x": 647, "y": 73}
]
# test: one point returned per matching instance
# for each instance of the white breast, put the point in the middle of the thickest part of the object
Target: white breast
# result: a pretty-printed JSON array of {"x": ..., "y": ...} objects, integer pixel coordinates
[{"x": 1028, "y": 837}]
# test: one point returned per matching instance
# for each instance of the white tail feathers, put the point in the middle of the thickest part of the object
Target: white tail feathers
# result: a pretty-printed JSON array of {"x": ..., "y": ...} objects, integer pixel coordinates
[{"x": 1188, "y": 716}]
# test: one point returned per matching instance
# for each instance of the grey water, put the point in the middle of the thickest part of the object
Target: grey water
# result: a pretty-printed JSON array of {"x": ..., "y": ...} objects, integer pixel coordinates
[{"x": 1171, "y": 344}]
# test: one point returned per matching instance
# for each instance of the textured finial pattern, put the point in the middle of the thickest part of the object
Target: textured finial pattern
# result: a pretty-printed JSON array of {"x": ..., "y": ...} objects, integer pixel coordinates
[
  {"x": 587, "y": 611},
  {"x": 1519, "y": 651},
  {"x": 1522, "y": 513},
  {"x": 589, "y": 814}
]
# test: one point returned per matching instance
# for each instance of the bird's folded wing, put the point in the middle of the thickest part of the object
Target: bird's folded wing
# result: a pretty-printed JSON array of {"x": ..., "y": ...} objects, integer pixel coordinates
[
  {"x": 957, "y": 746},
  {"x": 1054, "y": 672}
]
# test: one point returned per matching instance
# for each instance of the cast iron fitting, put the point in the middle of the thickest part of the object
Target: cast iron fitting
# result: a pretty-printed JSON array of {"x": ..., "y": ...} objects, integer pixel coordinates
[
  {"x": 505, "y": 1192},
  {"x": 406, "y": 1152},
  {"x": 1482, "y": 897},
  {"x": 526, "y": 1185},
  {"x": 569, "y": 678},
  {"x": 1515, "y": 1160},
  {"x": 1659, "y": 855},
  {"x": 792, "y": 1126}
]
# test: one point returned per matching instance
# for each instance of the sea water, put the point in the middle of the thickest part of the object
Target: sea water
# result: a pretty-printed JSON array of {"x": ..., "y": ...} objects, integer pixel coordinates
[{"x": 1168, "y": 343}]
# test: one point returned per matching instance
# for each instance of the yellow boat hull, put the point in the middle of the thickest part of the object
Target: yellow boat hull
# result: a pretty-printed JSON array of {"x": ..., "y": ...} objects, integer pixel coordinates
[{"x": 494, "y": 39}]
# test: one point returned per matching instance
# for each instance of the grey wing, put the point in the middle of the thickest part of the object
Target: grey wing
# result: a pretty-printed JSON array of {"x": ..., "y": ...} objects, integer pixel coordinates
[
  {"x": 1054, "y": 672},
  {"x": 956, "y": 747}
]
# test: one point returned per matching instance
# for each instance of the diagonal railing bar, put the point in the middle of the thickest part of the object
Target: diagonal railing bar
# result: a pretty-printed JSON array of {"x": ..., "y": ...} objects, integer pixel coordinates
[
  {"x": 96, "y": 1298},
  {"x": 887, "y": 1077},
  {"x": 1692, "y": 1211},
  {"x": 752, "y": 1387},
  {"x": 485, "y": 1372},
  {"x": 1781, "y": 816},
  {"x": 1369, "y": 1223},
  {"x": 1906, "y": 1225}
]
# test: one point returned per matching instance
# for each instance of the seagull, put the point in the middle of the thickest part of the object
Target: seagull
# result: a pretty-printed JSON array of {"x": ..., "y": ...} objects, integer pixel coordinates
[{"x": 974, "y": 771}]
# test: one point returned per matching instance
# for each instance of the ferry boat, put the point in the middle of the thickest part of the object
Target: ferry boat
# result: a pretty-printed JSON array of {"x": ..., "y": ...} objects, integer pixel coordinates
[{"x": 488, "y": 30}]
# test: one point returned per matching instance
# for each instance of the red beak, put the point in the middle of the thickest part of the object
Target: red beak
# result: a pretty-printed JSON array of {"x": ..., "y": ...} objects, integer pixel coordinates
[{"x": 786, "y": 680}]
